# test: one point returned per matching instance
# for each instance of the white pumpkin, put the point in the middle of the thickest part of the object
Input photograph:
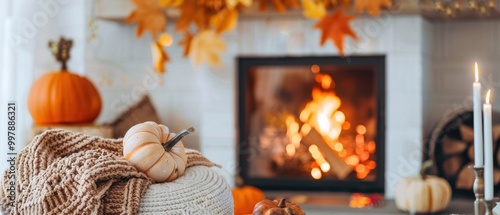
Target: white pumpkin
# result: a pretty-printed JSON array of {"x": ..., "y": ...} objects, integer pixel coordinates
[
  {"x": 143, "y": 146},
  {"x": 423, "y": 194}
]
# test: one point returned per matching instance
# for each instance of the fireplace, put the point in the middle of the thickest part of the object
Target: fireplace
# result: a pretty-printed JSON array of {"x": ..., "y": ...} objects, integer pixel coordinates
[{"x": 312, "y": 123}]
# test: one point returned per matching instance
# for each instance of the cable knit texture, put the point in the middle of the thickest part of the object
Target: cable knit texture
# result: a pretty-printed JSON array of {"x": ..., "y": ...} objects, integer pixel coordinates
[
  {"x": 63, "y": 172},
  {"x": 201, "y": 191}
]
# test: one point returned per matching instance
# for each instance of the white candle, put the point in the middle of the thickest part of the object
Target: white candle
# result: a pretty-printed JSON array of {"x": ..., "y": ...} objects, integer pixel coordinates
[
  {"x": 488, "y": 150},
  {"x": 478, "y": 131}
]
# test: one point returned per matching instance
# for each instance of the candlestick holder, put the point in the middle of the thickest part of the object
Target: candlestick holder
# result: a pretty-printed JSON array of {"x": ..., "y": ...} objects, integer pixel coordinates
[
  {"x": 479, "y": 203},
  {"x": 489, "y": 205}
]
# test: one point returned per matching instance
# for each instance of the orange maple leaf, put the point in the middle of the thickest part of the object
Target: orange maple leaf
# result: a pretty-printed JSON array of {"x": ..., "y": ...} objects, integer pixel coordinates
[
  {"x": 206, "y": 47},
  {"x": 371, "y": 6},
  {"x": 186, "y": 42},
  {"x": 149, "y": 15},
  {"x": 335, "y": 26},
  {"x": 280, "y": 5},
  {"x": 191, "y": 11},
  {"x": 224, "y": 20}
]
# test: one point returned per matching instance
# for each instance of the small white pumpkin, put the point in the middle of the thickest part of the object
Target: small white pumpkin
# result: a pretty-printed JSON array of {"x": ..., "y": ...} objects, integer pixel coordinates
[
  {"x": 423, "y": 194},
  {"x": 145, "y": 146}
]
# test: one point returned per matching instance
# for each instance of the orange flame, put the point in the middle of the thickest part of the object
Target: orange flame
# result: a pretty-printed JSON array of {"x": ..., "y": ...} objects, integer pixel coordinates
[{"x": 322, "y": 113}]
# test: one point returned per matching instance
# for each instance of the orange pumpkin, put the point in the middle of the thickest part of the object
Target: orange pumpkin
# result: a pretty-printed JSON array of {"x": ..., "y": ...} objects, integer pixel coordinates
[
  {"x": 245, "y": 198},
  {"x": 61, "y": 96},
  {"x": 152, "y": 149}
]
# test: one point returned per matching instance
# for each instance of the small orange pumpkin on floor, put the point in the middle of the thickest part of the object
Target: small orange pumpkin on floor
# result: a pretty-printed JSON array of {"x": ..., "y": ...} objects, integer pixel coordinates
[
  {"x": 62, "y": 96},
  {"x": 245, "y": 198},
  {"x": 277, "y": 207}
]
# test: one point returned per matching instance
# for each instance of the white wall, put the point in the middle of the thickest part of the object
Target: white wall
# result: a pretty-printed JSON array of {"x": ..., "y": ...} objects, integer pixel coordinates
[
  {"x": 33, "y": 24},
  {"x": 455, "y": 48},
  {"x": 206, "y": 98}
]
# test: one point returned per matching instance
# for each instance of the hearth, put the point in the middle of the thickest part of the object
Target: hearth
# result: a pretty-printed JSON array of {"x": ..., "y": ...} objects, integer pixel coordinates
[{"x": 312, "y": 123}]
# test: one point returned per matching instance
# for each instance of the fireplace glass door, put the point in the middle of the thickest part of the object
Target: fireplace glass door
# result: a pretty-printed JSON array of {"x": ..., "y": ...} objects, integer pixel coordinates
[{"x": 312, "y": 123}]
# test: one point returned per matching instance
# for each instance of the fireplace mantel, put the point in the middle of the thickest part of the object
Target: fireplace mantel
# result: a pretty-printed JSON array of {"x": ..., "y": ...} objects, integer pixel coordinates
[{"x": 118, "y": 10}]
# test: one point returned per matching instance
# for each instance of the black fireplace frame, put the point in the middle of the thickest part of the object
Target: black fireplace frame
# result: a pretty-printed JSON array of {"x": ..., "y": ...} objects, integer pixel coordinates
[{"x": 377, "y": 62}]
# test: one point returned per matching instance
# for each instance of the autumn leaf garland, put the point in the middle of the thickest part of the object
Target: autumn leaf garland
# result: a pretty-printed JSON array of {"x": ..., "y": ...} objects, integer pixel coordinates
[
  {"x": 371, "y": 6},
  {"x": 202, "y": 22},
  {"x": 150, "y": 17}
]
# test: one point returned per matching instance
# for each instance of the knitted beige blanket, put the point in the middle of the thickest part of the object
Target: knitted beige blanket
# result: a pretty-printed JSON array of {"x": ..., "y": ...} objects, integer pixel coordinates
[{"x": 63, "y": 172}]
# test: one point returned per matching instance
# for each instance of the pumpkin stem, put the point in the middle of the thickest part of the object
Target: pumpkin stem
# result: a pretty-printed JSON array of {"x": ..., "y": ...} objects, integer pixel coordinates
[
  {"x": 61, "y": 51},
  {"x": 282, "y": 203},
  {"x": 171, "y": 143},
  {"x": 426, "y": 165}
]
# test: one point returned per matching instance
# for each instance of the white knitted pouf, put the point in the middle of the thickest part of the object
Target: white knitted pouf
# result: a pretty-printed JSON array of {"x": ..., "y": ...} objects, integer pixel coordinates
[{"x": 200, "y": 191}]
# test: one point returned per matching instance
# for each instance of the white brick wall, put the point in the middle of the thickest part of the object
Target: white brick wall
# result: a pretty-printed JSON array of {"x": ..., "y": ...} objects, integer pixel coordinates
[
  {"x": 206, "y": 98},
  {"x": 456, "y": 46}
]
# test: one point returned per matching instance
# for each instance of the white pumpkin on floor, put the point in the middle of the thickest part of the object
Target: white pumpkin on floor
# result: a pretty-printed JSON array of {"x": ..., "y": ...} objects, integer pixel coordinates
[{"x": 423, "y": 193}]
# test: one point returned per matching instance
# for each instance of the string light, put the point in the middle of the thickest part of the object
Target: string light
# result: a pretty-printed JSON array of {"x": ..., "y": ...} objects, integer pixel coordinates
[{"x": 451, "y": 7}]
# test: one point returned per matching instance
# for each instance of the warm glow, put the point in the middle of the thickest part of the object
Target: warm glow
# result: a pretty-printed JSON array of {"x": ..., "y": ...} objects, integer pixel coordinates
[
  {"x": 360, "y": 140},
  {"x": 359, "y": 150},
  {"x": 343, "y": 153},
  {"x": 293, "y": 133},
  {"x": 361, "y": 201},
  {"x": 325, "y": 167},
  {"x": 166, "y": 39},
  {"x": 319, "y": 77},
  {"x": 476, "y": 72},
  {"x": 289, "y": 120},
  {"x": 290, "y": 150},
  {"x": 322, "y": 112},
  {"x": 364, "y": 156},
  {"x": 346, "y": 126},
  {"x": 323, "y": 115},
  {"x": 316, "y": 173},
  {"x": 294, "y": 127},
  {"x": 352, "y": 160},
  {"x": 361, "y": 175},
  {"x": 296, "y": 138},
  {"x": 370, "y": 147},
  {"x": 338, "y": 147},
  {"x": 488, "y": 94},
  {"x": 334, "y": 133},
  {"x": 304, "y": 115},
  {"x": 313, "y": 149},
  {"x": 323, "y": 123},
  {"x": 339, "y": 116},
  {"x": 316, "y": 154},
  {"x": 361, "y": 129},
  {"x": 305, "y": 129},
  {"x": 326, "y": 82},
  {"x": 315, "y": 68},
  {"x": 371, "y": 165},
  {"x": 360, "y": 168}
]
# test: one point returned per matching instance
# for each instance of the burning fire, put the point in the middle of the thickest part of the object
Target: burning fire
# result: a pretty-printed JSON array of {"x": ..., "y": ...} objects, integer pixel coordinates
[{"x": 322, "y": 114}]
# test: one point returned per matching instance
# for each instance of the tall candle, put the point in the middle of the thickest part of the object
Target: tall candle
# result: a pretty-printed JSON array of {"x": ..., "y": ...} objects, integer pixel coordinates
[
  {"x": 488, "y": 150},
  {"x": 478, "y": 131}
]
